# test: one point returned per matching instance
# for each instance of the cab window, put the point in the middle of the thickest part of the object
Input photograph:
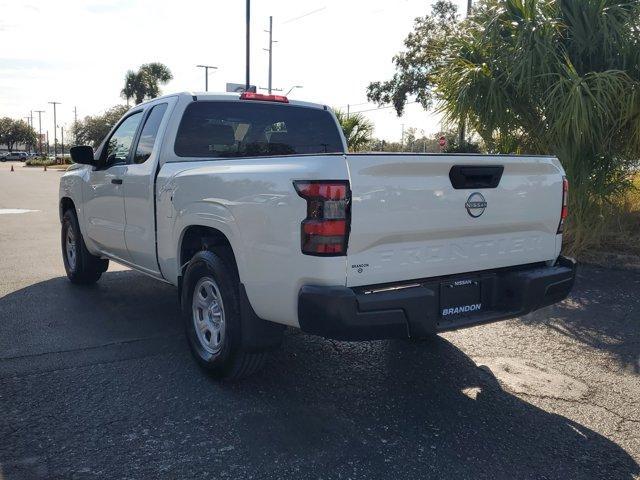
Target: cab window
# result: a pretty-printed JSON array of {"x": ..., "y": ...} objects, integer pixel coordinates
[
  {"x": 223, "y": 129},
  {"x": 149, "y": 133},
  {"x": 119, "y": 145}
]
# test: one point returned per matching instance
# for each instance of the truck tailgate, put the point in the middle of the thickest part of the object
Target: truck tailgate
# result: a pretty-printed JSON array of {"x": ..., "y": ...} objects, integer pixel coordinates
[{"x": 409, "y": 222}]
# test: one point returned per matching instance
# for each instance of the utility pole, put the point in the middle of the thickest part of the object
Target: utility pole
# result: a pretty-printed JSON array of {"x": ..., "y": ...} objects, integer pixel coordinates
[
  {"x": 62, "y": 139},
  {"x": 248, "y": 82},
  {"x": 348, "y": 108},
  {"x": 402, "y": 139},
  {"x": 206, "y": 75},
  {"x": 26, "y": 146},
  {"x": 55, "y": 129},
  {"x": 463, "y": 123},
  {"x": 270, "y": 50},
  {"x": 40, "y": 112}
]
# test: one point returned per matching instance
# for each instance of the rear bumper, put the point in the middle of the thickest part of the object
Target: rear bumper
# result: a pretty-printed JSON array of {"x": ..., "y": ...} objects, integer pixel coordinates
[{"x": 413, "y": 309}]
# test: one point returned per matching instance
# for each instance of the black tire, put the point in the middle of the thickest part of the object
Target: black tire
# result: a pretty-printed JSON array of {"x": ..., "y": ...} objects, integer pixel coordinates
[
  {"x": 87, "y": 268},
  {"x": 230, "y": 361}
]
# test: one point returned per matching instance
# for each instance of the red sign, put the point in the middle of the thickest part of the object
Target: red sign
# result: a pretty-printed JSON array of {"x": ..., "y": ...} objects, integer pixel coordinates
[{"x": 442, "y": 141}]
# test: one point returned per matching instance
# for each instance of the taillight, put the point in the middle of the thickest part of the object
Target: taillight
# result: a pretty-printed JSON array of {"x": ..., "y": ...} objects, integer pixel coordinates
[
  {"x": 325, "y": 230},
  {"x": 263, "y": 97},
  {"x": 565, "y": 206}
]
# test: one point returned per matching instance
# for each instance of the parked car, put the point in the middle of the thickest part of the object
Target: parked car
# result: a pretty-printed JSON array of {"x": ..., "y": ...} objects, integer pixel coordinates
[
  {"x": 22, "y": 156},
  {"x": 251, "y": 206}
]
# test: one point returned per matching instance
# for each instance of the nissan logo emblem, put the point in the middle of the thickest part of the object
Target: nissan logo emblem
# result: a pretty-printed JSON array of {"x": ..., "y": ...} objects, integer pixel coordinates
[{"x": 475, "y": 205}]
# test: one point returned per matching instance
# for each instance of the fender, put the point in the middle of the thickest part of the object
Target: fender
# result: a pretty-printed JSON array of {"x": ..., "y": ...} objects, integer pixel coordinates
[
  {"x": 71, "y": 187},
  {"x": 209, "y": 214}
]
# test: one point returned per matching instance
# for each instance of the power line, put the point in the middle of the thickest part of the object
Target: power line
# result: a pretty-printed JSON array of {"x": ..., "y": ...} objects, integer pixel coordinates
[
  {"x": 305, "y": 15},
  {"x": 382, "y": 108},
  {"x": 349, "y": 105}
]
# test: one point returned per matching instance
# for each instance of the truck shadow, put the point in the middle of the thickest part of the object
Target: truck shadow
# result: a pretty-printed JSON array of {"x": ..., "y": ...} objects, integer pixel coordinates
[
  {"x": 603, "y": 312},
  {"x": 426, "y": 406},
  {"x": 390, "y": 409}
]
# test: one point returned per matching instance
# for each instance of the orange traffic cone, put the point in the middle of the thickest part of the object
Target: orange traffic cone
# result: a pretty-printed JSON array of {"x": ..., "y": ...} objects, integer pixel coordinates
[{"x": 12, "y": 168}]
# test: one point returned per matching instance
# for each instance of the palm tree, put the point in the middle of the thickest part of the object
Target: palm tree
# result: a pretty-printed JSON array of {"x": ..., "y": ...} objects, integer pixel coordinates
[
  {"x": 145, "y": 83},
  {"x": 553, "y": 76},
  {"x": 357, "y": 129}
]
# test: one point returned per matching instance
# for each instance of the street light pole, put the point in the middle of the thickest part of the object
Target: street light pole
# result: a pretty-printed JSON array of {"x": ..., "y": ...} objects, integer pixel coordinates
[
  {"x": 75, "y": 125},
  {"x": 248, "y": 82},
  {"x": 292, "y": 89},
  {"x": 206, "y": 75},
  {"x": 40, "y": 112},
  {"x": 55, "y": 129}
]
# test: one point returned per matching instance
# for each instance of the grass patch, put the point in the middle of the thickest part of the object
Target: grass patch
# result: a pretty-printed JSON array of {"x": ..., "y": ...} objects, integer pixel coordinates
[{"x": 613, "y": 229}]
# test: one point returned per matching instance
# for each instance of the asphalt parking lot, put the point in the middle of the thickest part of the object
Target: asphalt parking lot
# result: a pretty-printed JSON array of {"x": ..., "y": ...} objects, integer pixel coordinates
[{"x": 98, "y": 383}]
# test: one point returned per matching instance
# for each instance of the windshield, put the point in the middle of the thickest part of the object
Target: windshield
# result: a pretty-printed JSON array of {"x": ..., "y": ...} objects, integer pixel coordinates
[{"x": 251, "y": 129}]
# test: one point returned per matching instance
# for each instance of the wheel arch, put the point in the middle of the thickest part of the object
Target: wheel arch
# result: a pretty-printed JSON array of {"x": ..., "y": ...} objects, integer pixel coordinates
[
  {"x": 195, "y": 238},
  {"x": 66, "y": 203}
]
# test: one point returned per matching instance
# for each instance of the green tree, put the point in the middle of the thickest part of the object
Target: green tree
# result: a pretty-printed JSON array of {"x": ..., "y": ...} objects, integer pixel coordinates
[
  {"x": 93, "y": 129},
  {"x": 13, "y": 132},
  {"x": 145, "y": 83},
  {"x": 553, "y": 76},
  {"x": 416, "y": 66},
  {"x": 357, "y": 129}
]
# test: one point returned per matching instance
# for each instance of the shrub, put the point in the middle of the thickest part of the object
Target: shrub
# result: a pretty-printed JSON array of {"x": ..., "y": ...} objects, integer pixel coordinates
[{"x": 48, "y": 161}]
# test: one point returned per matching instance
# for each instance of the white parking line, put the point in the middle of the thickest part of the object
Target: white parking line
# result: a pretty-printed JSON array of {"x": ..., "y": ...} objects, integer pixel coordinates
[{"x": 15, "y": 210}]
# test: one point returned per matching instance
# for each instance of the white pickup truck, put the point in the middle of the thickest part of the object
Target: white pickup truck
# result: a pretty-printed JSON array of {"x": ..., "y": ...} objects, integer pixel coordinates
[{"x": 252, "y": 207}]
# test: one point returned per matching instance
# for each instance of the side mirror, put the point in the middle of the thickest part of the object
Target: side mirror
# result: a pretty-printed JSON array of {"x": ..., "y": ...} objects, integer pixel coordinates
[{"x": 82, "y": 154}]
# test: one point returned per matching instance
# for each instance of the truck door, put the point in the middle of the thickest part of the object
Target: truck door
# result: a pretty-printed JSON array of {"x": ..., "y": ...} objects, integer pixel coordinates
[
  {"x": 139, "y": 184},
  {"x": 103, "y": 191}
]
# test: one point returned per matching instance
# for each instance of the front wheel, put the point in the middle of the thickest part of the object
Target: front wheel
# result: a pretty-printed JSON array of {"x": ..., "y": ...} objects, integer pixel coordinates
[
  {"x": 211, "y": 313},
  {"x": 81, "y": 266}
]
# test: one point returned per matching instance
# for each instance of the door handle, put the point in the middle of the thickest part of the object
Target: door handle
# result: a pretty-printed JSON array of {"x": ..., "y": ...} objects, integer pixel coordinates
[{"x": 116, "y": 181}]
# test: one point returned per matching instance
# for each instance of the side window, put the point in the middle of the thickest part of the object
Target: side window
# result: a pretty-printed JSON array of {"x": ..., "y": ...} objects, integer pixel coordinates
[
  {"x": 149, "y": 133},
  {"x": 120, "y": 142}
]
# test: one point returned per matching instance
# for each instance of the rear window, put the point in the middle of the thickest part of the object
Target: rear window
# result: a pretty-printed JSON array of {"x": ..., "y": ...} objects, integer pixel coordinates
[{"x": 252, "y": 129}]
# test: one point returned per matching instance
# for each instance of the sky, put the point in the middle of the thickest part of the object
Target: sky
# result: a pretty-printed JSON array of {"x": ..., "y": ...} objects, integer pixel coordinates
[{"x": 77, "y": 52}]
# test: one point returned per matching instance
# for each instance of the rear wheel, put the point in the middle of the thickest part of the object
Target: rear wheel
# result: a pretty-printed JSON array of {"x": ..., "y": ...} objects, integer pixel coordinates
[
  {"x": 211, "y": 314},
  {"x": 81, "y": 266}
]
